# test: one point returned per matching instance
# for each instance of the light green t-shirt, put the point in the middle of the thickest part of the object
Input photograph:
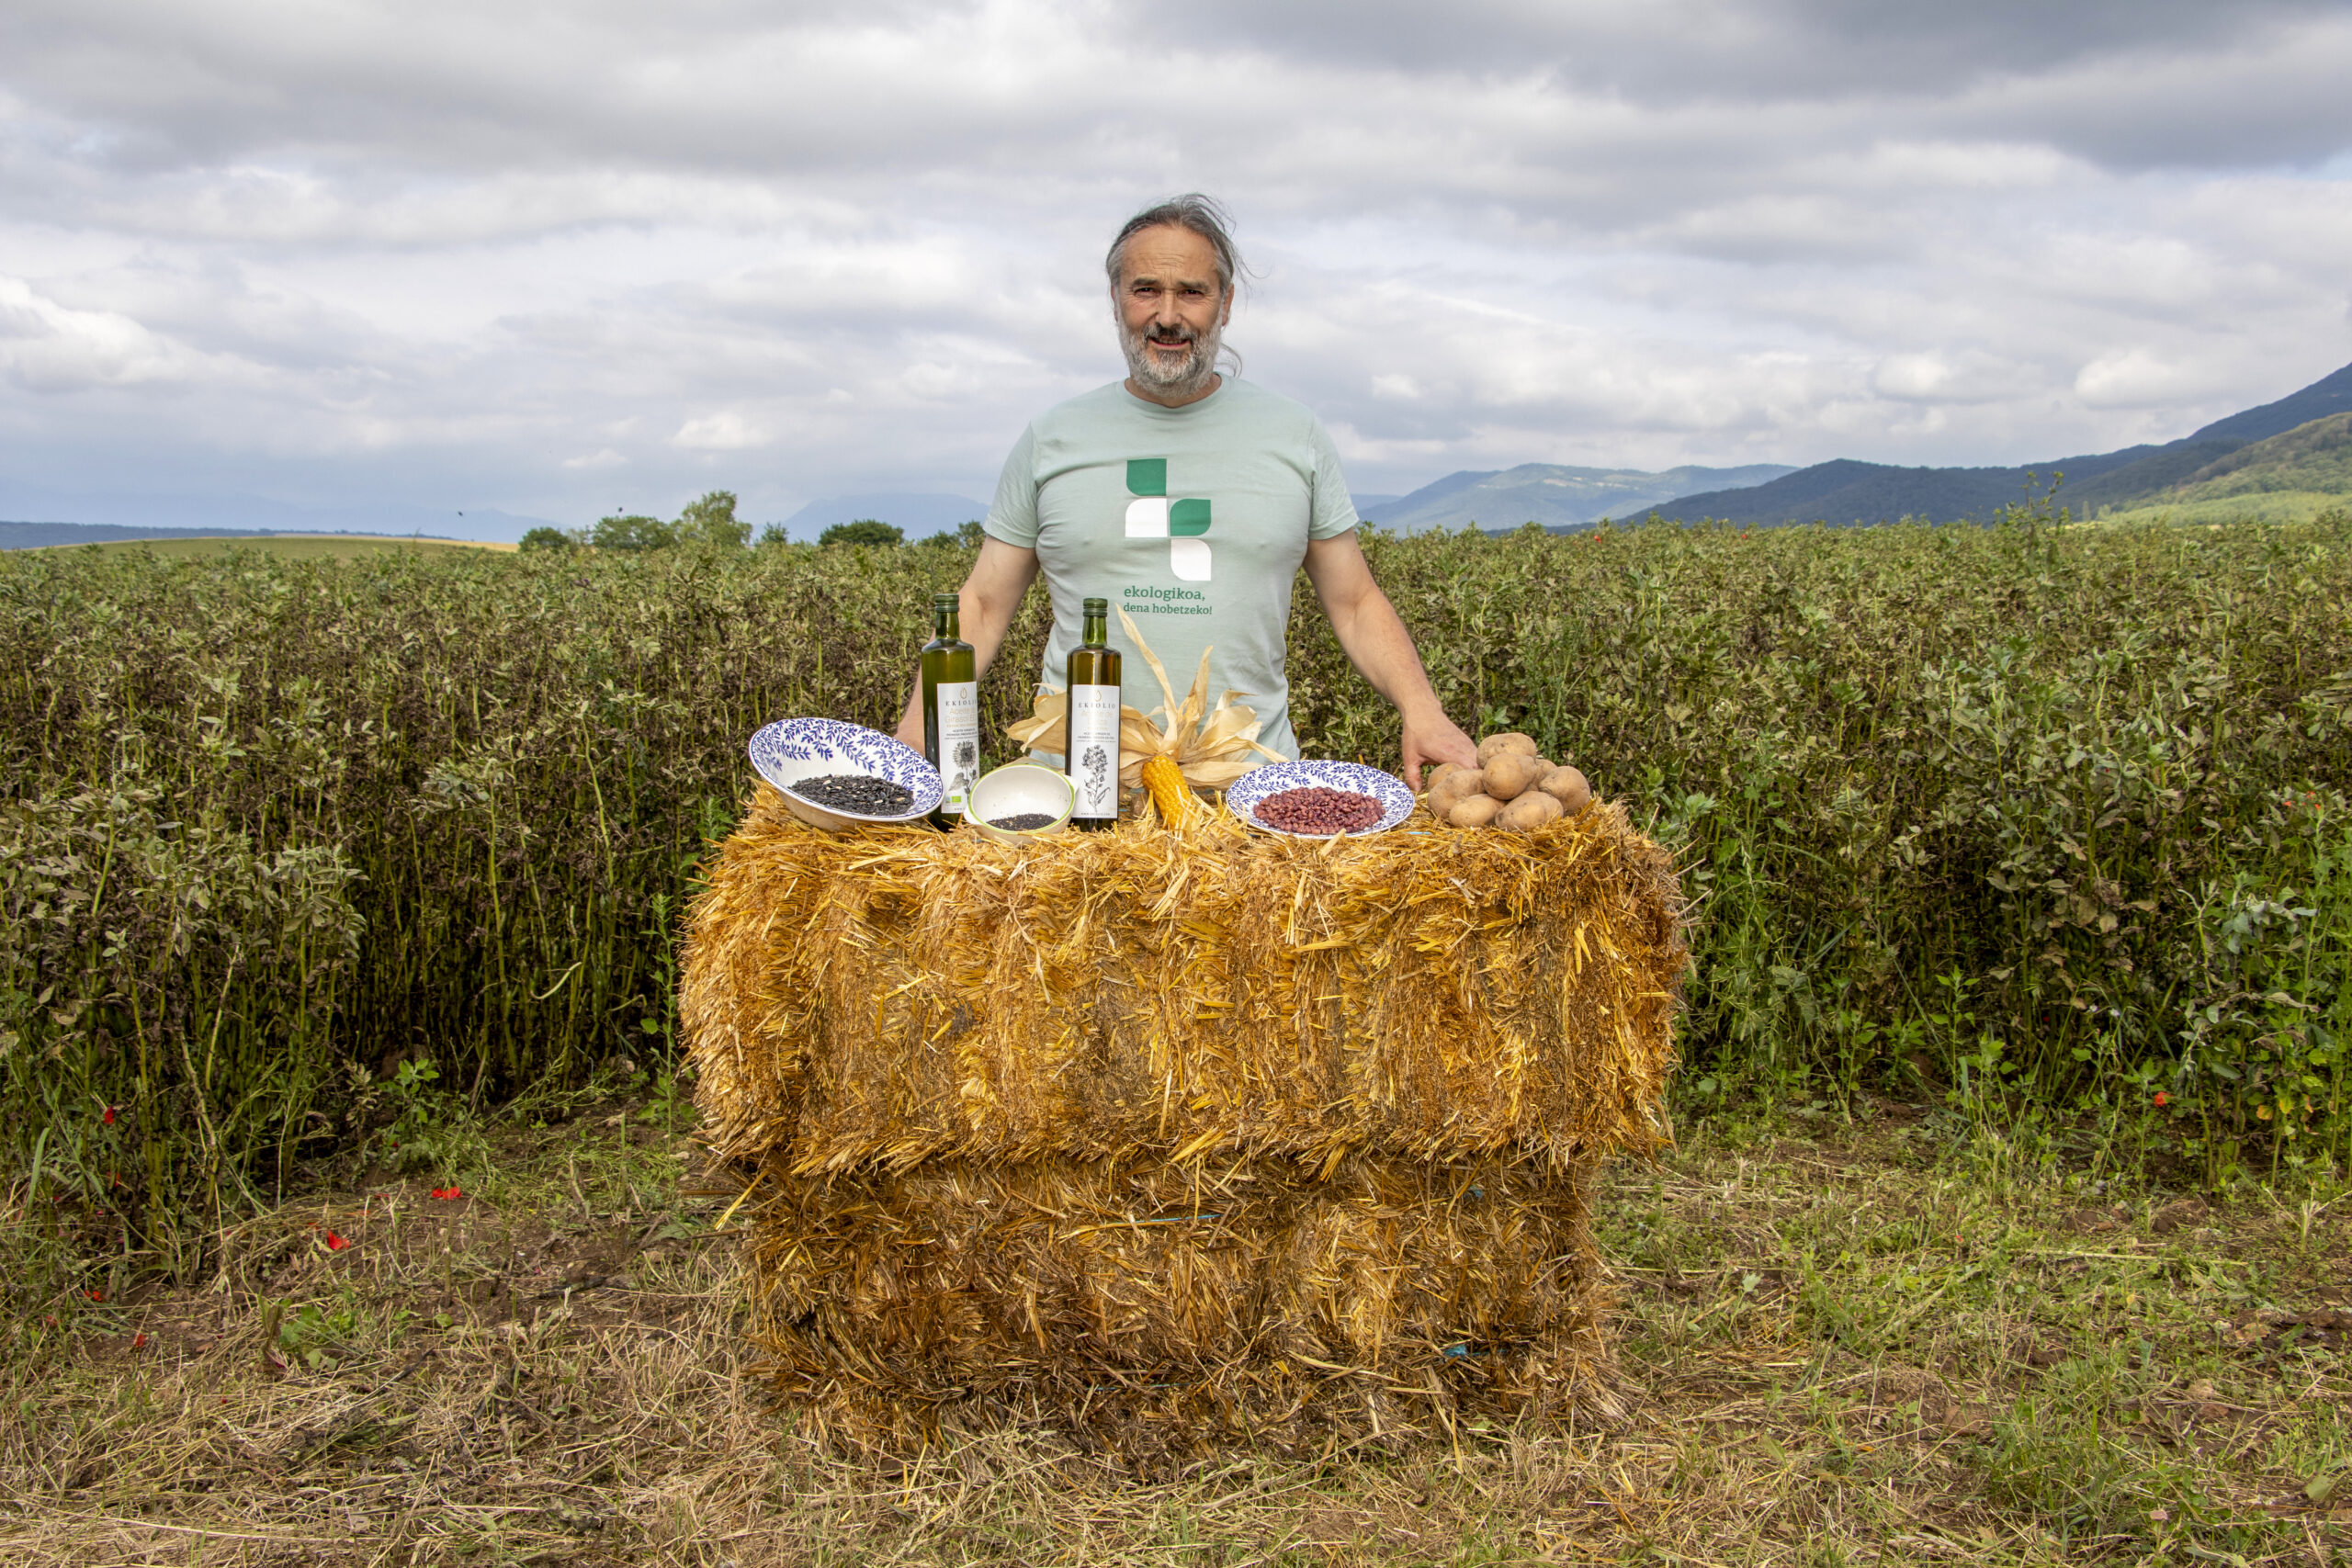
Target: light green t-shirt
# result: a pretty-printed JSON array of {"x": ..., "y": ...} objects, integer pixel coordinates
[{"x": 1194, "y": 520}]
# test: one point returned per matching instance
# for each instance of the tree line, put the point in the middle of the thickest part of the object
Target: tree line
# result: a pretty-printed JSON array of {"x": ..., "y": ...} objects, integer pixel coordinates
[{"x": 710, "y": 522}]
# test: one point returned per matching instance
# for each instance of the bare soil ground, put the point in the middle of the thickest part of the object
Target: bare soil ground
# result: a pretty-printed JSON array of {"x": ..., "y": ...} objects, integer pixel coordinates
[{"x": 1837, "y": 1343}]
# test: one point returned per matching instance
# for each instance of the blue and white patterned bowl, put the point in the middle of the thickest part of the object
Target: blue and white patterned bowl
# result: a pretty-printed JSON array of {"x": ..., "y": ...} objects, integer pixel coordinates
[
  {"x": 1244, "y": 793},
  {"x": 795, "y": 748}
]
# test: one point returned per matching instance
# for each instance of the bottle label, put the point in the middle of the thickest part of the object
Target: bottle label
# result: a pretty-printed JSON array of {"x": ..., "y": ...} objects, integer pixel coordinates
[
  {"x": 960, "y": 740},
  {"x": 1093, "y": 758}
]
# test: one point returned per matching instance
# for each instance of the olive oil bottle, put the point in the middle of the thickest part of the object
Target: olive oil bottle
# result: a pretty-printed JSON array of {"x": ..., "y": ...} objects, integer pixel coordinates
[
  {"x": 1092, "y": 761},
  {"x": 951, "y": 710}
]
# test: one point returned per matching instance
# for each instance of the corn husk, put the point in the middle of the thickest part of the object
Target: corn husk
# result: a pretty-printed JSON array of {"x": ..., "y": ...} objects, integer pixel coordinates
[
  {"x": 1211, "y": 746},
  {"x": 1166, "y": 1139}
]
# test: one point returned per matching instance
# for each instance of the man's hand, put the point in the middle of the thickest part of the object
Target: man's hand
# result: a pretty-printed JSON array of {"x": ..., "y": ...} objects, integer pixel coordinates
[
  {"x": 1380, "y": 647},
  {"x": 1431, "y": 738}
]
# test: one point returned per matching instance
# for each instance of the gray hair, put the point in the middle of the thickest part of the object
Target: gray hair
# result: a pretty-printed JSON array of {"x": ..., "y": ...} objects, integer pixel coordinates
[{"x": 1204, "y": 215}]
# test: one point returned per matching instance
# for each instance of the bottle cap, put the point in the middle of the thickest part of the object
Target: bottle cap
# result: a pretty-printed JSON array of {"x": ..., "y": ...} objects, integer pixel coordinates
[
  {"x": 946, "y": 601},
  {"x": 1097, "y": 606}
]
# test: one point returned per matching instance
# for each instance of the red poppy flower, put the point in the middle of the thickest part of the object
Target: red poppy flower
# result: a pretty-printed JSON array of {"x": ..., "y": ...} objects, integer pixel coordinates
[
  {"x": 98, "y": 1295},
  {"x": 139, "y": 1341},
  {"x": 109, "y": 1117},
  {"x": 335, "y": 1243},
  {"x": 2163, "y": 1099},
  {"x": 448, "y": 1194}
]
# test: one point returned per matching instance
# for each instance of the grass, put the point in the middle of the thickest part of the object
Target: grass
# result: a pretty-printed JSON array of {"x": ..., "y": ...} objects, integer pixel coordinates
[
  {"x": 288, "y": 547},
  {"x": 1881, "y": 1338},
  {"x": 2260, "y": 506}
]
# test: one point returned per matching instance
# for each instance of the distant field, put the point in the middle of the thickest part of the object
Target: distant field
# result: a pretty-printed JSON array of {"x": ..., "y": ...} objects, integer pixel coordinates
[
  {"x": 2268, "y": 506},
  {"x": 306, "y": 547}
]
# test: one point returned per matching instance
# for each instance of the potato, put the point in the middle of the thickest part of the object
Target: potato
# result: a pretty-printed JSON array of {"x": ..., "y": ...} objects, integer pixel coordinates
[
  {"x": 1475, "y": 812},
  {"x": 1452, "y": 789},
  {"x": 1494, "y": 746},
  {"x": 1440, "y": 772},
  {"x": 1528, "y": 812},
  {"x": 1509, "y": 775},
  {"x": 1569, "y": 787}
]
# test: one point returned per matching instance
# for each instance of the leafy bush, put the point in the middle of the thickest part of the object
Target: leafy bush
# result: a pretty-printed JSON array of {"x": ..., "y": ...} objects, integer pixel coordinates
[
  {"x": 545, "y": 538},
  {"x": 2028, "y": 815},
  {"x": 631, "y": 533},
  {"x": 864, "y": 531},
  {"x": 712, "y": 521},
  {"x": 708, "y": 521}
]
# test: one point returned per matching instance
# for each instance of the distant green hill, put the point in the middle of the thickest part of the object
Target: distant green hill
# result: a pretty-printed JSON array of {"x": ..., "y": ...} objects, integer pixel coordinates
[
  {"x": 2315, "y": 456},
  {"x": 2135, "y": 478},
  {"x": 1551, "y": 494}
]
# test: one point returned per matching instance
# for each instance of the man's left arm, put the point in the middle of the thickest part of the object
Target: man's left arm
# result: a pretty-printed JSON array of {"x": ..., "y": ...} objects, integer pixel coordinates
[{"x": 1382, "y": 651}]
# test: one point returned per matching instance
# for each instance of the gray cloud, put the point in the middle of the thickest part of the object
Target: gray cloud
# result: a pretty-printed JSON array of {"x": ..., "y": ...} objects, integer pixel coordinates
[{"x": 571, "y": 257}]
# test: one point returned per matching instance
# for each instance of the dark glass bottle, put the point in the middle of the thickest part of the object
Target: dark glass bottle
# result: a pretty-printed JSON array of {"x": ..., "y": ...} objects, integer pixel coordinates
[
  {"x": 951, "y": 710},
  {"x": 1092, "y": 761}
]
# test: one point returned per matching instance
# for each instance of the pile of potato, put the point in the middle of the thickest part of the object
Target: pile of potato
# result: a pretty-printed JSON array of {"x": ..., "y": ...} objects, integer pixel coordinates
[{"x": 1512, "y": 788}]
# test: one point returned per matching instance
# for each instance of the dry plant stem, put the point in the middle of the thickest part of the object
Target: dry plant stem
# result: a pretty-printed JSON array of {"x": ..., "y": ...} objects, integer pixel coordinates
[{"x": 1204, "y": 746}]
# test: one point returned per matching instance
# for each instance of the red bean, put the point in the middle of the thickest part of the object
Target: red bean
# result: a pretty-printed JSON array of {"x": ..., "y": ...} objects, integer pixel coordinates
[{"x": 1320, "y": 811}]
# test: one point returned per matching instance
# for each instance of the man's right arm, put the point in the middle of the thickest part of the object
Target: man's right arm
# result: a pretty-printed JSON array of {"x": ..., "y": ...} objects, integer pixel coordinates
[{"x": 990, "y": 597}]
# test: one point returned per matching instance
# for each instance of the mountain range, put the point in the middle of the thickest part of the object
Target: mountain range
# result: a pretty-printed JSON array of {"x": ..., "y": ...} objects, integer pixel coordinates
[
  {"x": 99, "y": 515},
  {"x": 2314, "y": 459},
  {"x": 1547, "y": 493},
  {"x": 2301, "y": 444},
  {"x": 2224, "y": 451},
  {"x": 918, "y": 517}
]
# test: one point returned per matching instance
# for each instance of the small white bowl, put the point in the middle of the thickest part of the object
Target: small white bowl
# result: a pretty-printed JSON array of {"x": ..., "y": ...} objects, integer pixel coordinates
[{"x": 1017, "y": 788}]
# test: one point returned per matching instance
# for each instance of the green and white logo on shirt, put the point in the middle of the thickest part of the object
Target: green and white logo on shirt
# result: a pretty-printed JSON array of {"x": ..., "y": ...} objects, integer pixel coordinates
[{"x": 1182, "y": 522}]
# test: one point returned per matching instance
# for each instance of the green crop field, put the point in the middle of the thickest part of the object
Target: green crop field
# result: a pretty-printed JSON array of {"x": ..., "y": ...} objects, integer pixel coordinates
[
  {"x": 2022, "y": 867},
  {"x": 2048, "y": 818}
]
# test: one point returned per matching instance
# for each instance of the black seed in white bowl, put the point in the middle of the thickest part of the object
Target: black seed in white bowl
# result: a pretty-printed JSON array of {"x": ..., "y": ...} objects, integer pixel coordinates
[{"x": 859, "y": 793}]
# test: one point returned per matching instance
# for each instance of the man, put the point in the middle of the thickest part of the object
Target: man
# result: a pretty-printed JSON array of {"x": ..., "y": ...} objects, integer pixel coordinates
[{"x": 1191, "y": 500}]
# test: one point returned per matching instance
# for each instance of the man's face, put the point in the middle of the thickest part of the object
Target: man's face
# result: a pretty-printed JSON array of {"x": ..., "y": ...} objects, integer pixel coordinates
[{"x": 1171, "y": 313}]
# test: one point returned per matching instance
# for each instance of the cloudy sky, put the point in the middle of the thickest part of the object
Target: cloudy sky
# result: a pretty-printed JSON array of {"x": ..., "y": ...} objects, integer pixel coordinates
[{"x": 560, "y": 257}]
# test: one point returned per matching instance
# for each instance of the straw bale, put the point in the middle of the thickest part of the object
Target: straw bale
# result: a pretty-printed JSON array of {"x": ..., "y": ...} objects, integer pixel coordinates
[
  {"x": 898, "y": 995},
  {"x": 1163, "y": 1136},
  {"x": 1259, "y": 1299}
]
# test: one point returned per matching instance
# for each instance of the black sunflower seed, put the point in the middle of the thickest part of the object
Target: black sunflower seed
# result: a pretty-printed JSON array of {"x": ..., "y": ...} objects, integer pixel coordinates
[{"x": 858, "y": 792}]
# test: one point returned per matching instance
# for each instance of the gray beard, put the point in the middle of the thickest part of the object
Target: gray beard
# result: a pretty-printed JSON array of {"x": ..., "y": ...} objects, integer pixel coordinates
[{"x": 1198, "y": 370}]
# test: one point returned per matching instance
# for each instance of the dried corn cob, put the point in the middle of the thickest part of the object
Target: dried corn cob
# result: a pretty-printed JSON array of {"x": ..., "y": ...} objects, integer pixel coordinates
[{"x": 1169, "y": 793}]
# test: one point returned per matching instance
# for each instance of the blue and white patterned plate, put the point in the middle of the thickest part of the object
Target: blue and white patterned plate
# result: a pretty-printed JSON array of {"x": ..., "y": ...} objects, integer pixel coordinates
[
  {"x": 796, "y": 749},
  {"x": 1244, "y": 793}
]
